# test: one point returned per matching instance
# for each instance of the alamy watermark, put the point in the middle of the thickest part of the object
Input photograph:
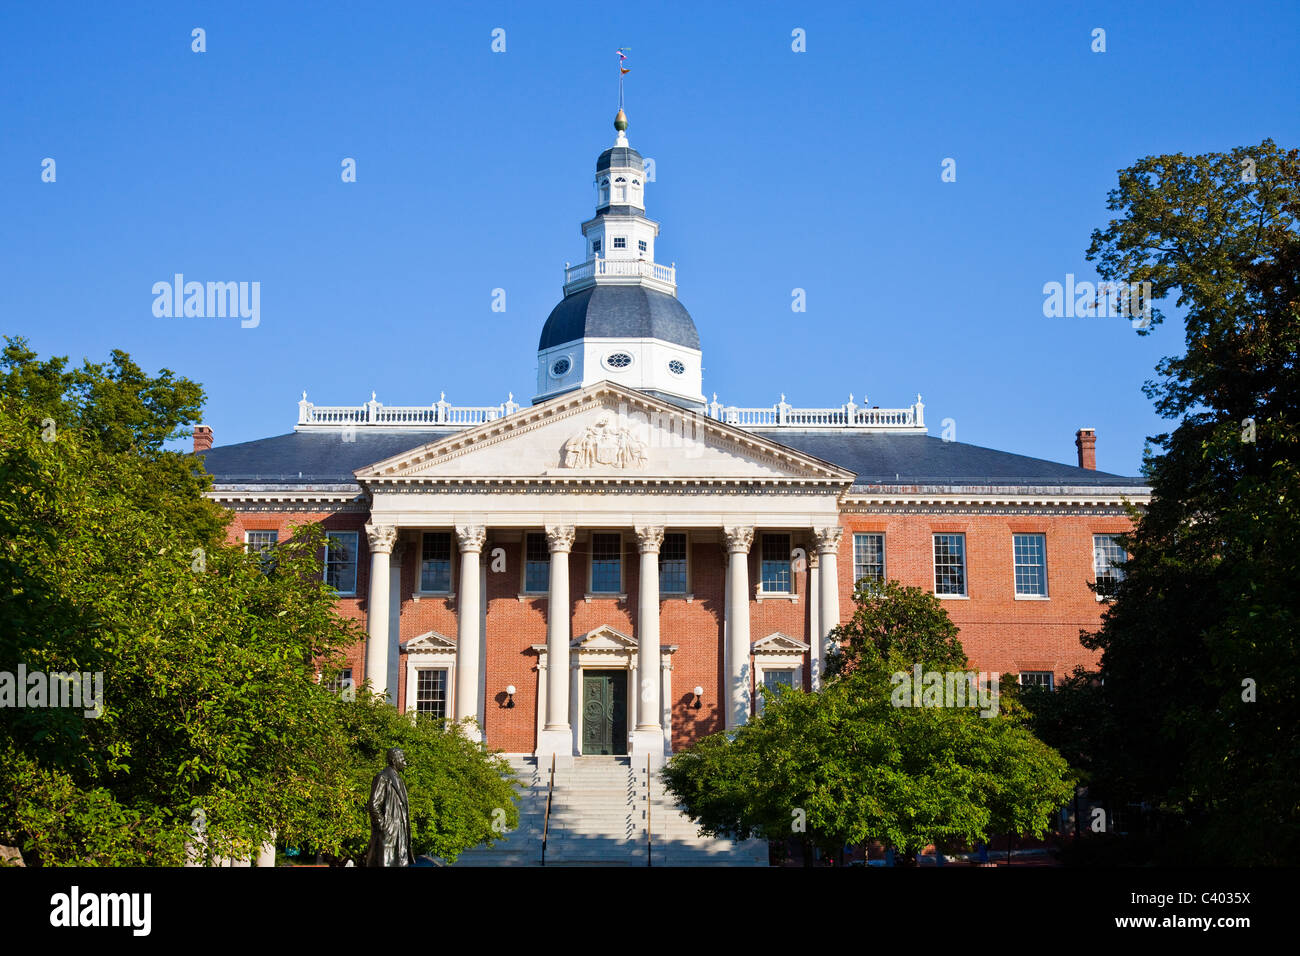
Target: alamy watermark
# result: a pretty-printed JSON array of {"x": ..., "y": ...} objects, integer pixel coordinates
[
  {"x": 79, "y": 690},
  {"x": 213, "y": 300},
  {"x": 946, "y": 689},
  {"x": 1082, "y": 300}
]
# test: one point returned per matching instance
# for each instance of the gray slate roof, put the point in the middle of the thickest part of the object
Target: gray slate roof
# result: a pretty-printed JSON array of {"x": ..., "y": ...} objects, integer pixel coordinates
[
  {"x": 322, "y": 457},
  {"x": 884, "y": 458},
  {"x": 619, "y": 156},
  {"x": 619, "y": 311}
]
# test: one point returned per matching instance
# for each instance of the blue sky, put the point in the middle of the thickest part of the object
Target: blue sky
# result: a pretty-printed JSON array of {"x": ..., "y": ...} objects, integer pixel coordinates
[{"x": 775, "y": 170}]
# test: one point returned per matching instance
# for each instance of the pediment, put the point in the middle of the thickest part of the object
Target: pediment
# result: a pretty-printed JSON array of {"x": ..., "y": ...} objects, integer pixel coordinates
[
  {"x": 778, "y": 643},
  {"x": 605, "y": 432},
  {"x": 607, "y": 639},
  {"x": 429, "y": 642}
]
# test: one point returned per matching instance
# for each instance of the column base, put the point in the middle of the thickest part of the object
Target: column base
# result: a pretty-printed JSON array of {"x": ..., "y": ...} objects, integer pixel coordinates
[
  {"x": 558, "y": 742},
  {"x": 643, "y": 743}
]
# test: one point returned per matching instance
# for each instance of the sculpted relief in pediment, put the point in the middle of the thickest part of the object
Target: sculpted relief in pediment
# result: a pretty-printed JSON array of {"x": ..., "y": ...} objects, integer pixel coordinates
[{"x": 604, "y": 442}]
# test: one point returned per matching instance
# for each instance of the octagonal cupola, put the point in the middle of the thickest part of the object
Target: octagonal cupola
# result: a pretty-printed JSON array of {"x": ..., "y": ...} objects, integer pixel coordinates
[{"x": 620, "y": 319}]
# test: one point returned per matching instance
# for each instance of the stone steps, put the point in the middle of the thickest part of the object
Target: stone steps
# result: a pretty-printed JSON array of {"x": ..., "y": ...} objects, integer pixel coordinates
[{"x": 598, "y": 816}]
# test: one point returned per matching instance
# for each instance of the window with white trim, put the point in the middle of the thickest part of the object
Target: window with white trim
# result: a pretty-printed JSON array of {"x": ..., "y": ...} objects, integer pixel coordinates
[
  {"x": 1044, "y": 679},
  {"x": 260, "y": 541},
  {"x": 341, "y": 683},
  {"x": 620, "y": 242},
  {"x": 1030, "y": 552},
  {"x": 431, "y": 693},
  {"x": 1107, "y": 556},
  {"x": 774, "y": 567},
  {"x": 606, "y": 563},
  {"x": 672, "y": 564},
  {"x": 341, "y": 561},
  {"x": 595, "y": 246},
  {"x": 775, "y": 682},
  {"x": 435, "y": 562},
  {"x": 537, "y": 563},
  {"x": 869, "y": 557},
  {"x": 950, "y": 564},
  {"x": 640, "y": 244}
]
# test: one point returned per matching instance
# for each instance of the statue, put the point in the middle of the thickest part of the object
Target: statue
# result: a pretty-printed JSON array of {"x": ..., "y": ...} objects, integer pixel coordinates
[{"x": 390, "y": 817}]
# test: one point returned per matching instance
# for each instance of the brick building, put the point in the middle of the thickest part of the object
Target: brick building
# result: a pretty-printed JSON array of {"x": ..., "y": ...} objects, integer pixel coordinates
[{"x": 618, "y": 566}]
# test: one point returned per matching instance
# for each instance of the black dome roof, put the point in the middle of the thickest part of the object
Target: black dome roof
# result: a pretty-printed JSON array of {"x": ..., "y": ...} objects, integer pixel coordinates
[{"x": 619, "y": 311}]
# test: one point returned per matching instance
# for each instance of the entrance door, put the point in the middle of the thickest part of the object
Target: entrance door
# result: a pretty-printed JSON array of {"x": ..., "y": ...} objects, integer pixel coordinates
[{"x": 604, "y": 712}]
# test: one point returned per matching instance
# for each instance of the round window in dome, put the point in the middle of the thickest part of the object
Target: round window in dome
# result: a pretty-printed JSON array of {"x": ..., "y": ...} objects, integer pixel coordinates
[
  {"x": 561, "y": 367},
  {"x": 619, "y": 360},
  {"x": 676, "y": 367}
]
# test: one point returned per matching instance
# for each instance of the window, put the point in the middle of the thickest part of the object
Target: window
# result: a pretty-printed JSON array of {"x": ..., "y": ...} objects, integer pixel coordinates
[
  {"x": 435, "y": 562},
  {"x": 672, "y": 564},
  {"x": 431, "y": 693},
  {"x": 869, "y": 557},
  {"x": 341, "y": 561},
  {"x": 260, "y": 541},
  {"x": 950, "y": 564},
  {"x": 341, "y": 684},
  {"x": 619, "y": 360},
  {"x": 1043, "y": 679},
  {"x": 595, "y": 246},
  {"x": 1031, "y": 564},
  {"x": 620, "y": 242},
  {"x": 606, "y": 563},
  {"x": 1107, "y": 555},
  {"x": 561, "y": 368},
  {"x": 537, "y": 564},
  {"x": 775, "y": 682},
  {"x": 774, "y": 571},
  {"x": 677, "y": 367},
  {"x": 640, "y": 244}
]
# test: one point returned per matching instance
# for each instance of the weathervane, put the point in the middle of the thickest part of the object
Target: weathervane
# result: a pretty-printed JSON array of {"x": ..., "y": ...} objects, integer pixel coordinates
[{"x": 622, "y": 71}]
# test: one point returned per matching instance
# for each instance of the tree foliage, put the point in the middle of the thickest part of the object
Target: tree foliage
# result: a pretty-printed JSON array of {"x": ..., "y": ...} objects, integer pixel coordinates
[
  {"x": 1207, "y": 614},
  {"x": 111, "y": 562},
  {"x": 845, "y": 765}
]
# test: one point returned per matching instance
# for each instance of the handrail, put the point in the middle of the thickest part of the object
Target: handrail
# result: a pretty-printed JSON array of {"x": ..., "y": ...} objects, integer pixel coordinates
[
  {"x": 546, "y": 823},
  {"x": 649, "y": 857}
]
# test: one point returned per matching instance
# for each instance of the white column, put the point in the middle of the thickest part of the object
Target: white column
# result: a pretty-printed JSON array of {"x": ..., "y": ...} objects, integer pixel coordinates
[
  {"x": 381, "y": 538},
  {"x": 666, "y": 669},
  {"x": 648, "y": 738},
  {"x": 557, "y": 734},
  {"x": 738, "y": 692},
  {"x": 828, "y": 546},
  {"x": 814, "y": 614},
  {"x": 470, "y": 539}
]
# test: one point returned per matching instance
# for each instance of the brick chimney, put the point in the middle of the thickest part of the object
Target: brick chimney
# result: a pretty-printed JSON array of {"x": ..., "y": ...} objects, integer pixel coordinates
[
  {"x": 1085, "y": 439},
  {"x": 202, "y": 438}
]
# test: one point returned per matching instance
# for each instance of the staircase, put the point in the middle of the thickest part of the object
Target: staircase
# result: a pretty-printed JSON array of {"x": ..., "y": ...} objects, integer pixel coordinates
[{"x": 598, "y": 818}]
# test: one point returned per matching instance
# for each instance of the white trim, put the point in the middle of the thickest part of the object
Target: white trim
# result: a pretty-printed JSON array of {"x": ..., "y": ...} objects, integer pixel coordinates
[
  {"x": 430, "y": 651},
  {"x": 356, "y": 551},
  {"x": 621, "y": 593}
]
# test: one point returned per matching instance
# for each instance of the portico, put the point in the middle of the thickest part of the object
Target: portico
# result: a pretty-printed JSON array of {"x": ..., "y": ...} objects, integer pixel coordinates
[{"x": 605, "y": 474}]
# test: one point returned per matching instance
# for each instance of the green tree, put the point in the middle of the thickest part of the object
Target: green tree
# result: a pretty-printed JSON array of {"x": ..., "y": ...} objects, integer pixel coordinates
[
  {"x": 847, "y": 764},
  {"x": 210, "y": 660},
  {"x": 1200, "y": 705}
]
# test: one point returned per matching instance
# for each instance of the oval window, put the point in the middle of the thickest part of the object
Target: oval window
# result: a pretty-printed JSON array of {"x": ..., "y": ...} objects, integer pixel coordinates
[
  {"x": 619, "y": 360},
  {"x": 561, "y": 368},
  {"x": 676, "y": 367}
]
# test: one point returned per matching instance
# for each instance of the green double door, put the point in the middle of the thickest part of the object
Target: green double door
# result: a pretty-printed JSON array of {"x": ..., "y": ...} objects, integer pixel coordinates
[{"x": 604, "y": 712}]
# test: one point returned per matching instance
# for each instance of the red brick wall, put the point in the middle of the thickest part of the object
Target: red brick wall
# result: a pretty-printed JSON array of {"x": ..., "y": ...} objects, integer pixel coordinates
[{"x": 998, "y": 632}]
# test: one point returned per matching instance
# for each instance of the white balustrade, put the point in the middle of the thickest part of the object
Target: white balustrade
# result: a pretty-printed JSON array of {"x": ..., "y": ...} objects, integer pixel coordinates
[{"x": 442, "y": 414}]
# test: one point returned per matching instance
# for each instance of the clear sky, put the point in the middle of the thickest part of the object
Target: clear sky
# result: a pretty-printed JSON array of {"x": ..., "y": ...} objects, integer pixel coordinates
[{"x": 775, "y": 170}]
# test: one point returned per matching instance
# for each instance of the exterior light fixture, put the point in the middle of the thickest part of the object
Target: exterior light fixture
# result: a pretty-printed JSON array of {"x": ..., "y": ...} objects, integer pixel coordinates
[
  {"x": 510, "y": 696},
  {"x": 699, "y": 693}
]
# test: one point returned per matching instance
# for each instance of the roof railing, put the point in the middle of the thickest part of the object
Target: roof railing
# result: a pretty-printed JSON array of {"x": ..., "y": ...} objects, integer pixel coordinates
[{"x": 443, "y": 414}]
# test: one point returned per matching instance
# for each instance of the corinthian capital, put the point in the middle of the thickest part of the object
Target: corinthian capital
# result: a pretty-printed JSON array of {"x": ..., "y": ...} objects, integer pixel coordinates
[
  {"x": 739, "y": 539},
  {"x": 381, "y": 537},
  {"x": 471, "y": 537},
  {"x": 828, "y": 538},
  {"x": 650, "y": 538},
  {"x": 559, "y": 537}
]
